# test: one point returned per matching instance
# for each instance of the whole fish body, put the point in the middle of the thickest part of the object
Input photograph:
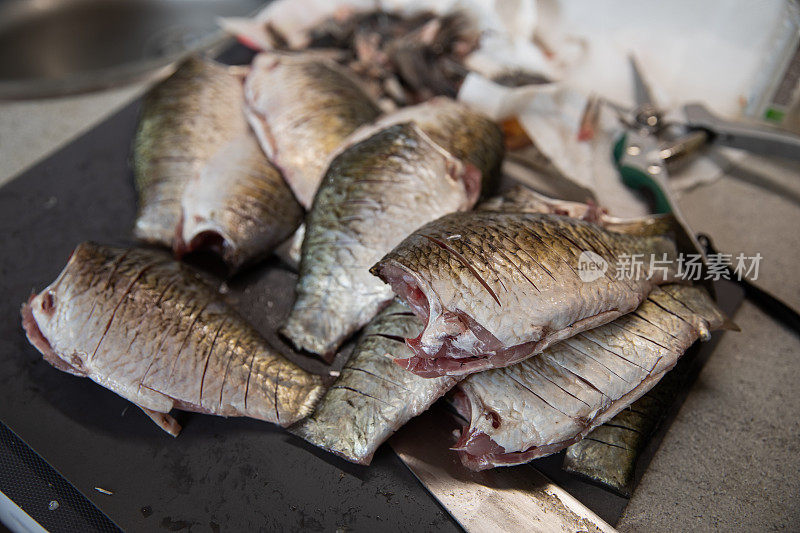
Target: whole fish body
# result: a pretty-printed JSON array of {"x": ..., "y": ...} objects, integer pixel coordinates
[
  {"x": 202, "y": 179},
  {"x": 302, "y": 107},
  {"x": 474, "y": 279},
  {"x": 372, "y": 397},
  {"x": 184, "y": 121},
  {"x": 544, "y": 404},
  {"x": 149, "y": 329},
  {"x": 374, "y": 193}
]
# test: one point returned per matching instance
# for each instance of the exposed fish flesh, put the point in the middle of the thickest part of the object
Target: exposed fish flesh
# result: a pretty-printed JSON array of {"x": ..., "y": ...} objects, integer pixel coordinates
[
  {"x": 374, "y": 194},
  {"x": 495, "y": 288},
  {"x": 203, "y": 180},
  {"x": 544, "y": 404},
  {"x": 372, "y": 397},
  {"x": 149, "y": 329},
  {"x": 302, "y": 107}
]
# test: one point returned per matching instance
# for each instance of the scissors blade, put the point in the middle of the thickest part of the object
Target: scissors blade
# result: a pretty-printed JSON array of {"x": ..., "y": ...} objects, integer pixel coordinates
[{"x": 642, "y": 90}]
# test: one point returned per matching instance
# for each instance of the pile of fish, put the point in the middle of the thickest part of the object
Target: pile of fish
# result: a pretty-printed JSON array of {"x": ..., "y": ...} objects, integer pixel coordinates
[{"x": 450, "y": 293}]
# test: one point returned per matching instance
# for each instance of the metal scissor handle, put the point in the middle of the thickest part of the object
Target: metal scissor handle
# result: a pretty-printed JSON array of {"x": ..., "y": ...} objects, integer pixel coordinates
[{"x": 757, "y": 139}]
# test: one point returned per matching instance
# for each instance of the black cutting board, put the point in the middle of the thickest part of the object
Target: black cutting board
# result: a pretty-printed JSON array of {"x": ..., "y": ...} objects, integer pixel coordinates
[{"x": 219, "y": 474}]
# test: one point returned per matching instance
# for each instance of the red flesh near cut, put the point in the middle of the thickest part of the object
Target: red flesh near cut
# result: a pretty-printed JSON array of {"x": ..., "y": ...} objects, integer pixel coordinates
[
  {"x": 478, "y": 451},
  {"x": 472, "y": 178},
  {"x": 407, "y": 289},
  {"x": 205, "y": 241},
  {"x": 39, "y": 341}
]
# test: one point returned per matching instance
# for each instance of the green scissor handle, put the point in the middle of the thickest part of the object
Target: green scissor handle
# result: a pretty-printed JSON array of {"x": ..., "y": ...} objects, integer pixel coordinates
[{"x": 637, "y": 179}]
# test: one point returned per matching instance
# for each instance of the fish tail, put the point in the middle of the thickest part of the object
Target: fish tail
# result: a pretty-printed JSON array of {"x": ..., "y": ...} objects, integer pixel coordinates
[
  {"x": 314, "y": 396},
  {"x": 647, "y": 226},
  {"x": 311, "y": 331},
  {"x": 729, "y": 325},
  {"x": 251, "y": 33}
]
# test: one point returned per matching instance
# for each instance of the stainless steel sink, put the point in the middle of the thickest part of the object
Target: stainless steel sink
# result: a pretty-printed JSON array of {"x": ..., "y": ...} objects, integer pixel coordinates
[{"x": 55, "y": 47}]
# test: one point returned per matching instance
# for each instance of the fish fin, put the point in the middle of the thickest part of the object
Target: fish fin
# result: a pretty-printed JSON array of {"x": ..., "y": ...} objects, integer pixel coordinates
[
  {"x": 266, "y": 140},
  {"x": 239, "y": 71},
  {"x": 646, "y": 226},
  {"x": 250, "y": 32},
  {"x": 729, "y": 325},
  {"x": 163, "y": 420},
  {"x": 289, "y": 251},
  {"x": 314, "y": 396}
]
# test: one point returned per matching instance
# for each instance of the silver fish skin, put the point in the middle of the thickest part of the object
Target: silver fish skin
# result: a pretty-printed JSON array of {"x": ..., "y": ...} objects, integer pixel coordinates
[
  {"x": 546, "y": 403},
  {"x": 302, "y": 107},
  {"x": 609, "y": 453},
  {"x": 467, "y": 135},
  {"x": 374, "y": 194},
  {"x": 372, "y": 397},
  {"x": 473, "y": 278},
  {"x": 151, "y": 330},
  {"x": 203, "y": 181}
]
